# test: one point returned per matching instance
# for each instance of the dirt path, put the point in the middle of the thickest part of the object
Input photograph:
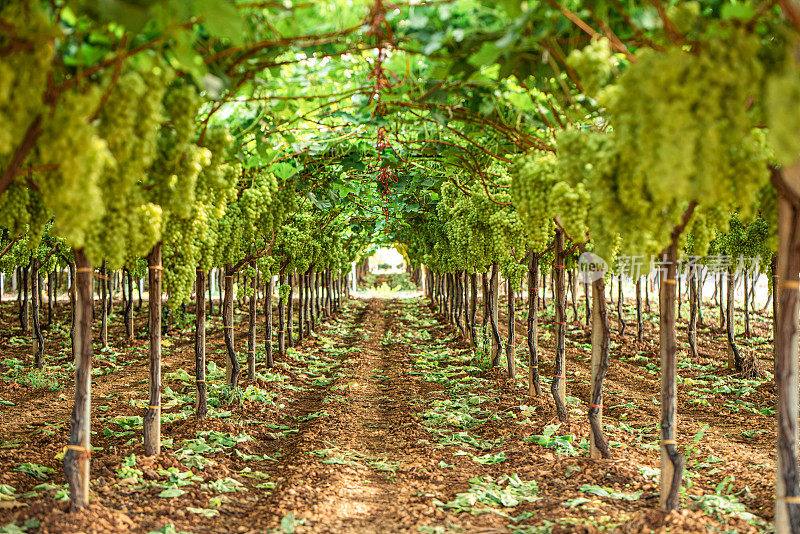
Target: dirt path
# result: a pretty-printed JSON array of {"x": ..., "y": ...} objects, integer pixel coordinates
[{"x": 367, "y": 434}]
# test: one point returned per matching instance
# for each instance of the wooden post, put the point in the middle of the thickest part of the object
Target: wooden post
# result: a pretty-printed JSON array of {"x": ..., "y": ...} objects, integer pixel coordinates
[
  {"x": 734, "y": 360},
  {"x": 301, "y": 308},
  {"x": 289, "y": 313},
  {"x": 598, "y": 445},
  {"x": 510, "y": 342},
  {"x": 38, "y": 339},
  {"x": 76, "y": 457},
  {"x": 232, "y": 362},
  {"x": 128, "y": 308},
  {"x": 559, "y": 385},
  {"x": 201, "y": 403},
  {"x": 473, "y": 307},
  {"x": 534, "y": 385},
  {"x": 691, "y": 329},
  {"x": 251, "y": 331},
  {"x": 787, "y": 482},
  {"x": 639, "y": 322},
  {"x": 152, "y": 419},
  {"x": 281, "y": 316},
  {"x": 494, "y": 335},
  {"x": 269, "y": 289},
  {"x": 671, "y": 460},
  {"x": 104, "y": 305}
]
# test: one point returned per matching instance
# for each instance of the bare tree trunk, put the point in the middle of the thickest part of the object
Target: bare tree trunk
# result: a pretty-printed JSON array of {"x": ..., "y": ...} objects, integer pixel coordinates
[
  {"x": 76, "y": 456},
  {"x": 473, "y": 307},
  {"x": 679, "y": 287},
  {"x": 455, "y": 296},
  {"x": 232, "y": 367},
  {"x": 281, "y": 315},
  {"x": 446, "y": 295},
  {"x": 201, "y": 403},
  {"x": 290, "y": 313},
  {"x": 269, "y": 288},
  {"x": 432, "y": 290},
  {"x": 335, "y": 277},
  {"x": 152, "y": 419},
  {"x": 104, "y": 305},
  {"x": 746, "y": 306},
  {"x": 332, "y": 294},
  {"x": 251, "y": 331},
  {"x": 734, "y": 359},
  {"x": 306, "y": 306},
  {"x": 220, "y": 275},
  {"x": 139, "y": 293},
  {"x": 51, "y": 291},
  {"x": 312, "y": 301},
  {"x": 318, "y": 295},
  {"x": 301, "y": 308},
  {"x": 611, "y": 289},
  {"x": 715, "y": 295},
  {"x": 38, "y": 339},
  {"x": 23, "y": 308},
  {"x": 465, "y": 304},
  {"x": 72, "y": 299},
  {"x": 639, "y": 322},
  {"x": 443, "y": 295},
  {"x": 586, "y": 302},
  {"x": 573, "y": 286},
  {"x": 544, "y": 290},
  {"x": 787, "y": 484},
  {"x": 722, "y": 323},
  {"x": 534, "y": 385},
  {"x": 691, "y": 330},
  {"x": 699, "y": 289},
  {"x": 600, "y": 342},
  {"x": 448, "y": 301},
  {"x": 621, "y": 316},
  {"x": 455, "y": 288},
  {"x": 496, "y": 344},
  {"x": 127, "y": 310},
  {"x": 437, "y": 300},
  {"x": 210, "y": 295},
  {"x": 775, "y": 301},
  {"x": 558, "y": 387},
  {"x": 324, "y": 295},
  {"x": 486, "y": 307},
  {"x": 110, "y": 282},
  {"x": 672, "y": 461},
  {"x": 342, "y": 290},
  {"x": 510, "y": 342}
]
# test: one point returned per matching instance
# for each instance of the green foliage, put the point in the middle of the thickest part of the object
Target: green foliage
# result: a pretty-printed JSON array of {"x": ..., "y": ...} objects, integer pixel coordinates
[
  {"x": 492, "y": 493},
  {"x": 37, "y": 471},
  {"x": 548, "y": 438}
]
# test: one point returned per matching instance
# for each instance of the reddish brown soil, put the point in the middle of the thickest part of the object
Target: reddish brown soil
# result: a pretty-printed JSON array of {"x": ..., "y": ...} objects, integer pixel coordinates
[{"x": 375, "y": 405}]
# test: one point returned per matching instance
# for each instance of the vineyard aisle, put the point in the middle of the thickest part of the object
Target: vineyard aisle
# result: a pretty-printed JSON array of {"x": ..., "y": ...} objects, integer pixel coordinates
[{"x": 382, "y": 421}]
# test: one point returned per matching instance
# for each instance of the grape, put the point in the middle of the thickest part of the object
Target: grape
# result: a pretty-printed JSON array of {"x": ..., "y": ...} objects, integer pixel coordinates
[
  {"x": 23, "y": 73},
  {"x": 191, "y": 233},
  {"x": 534, "y": 177},
  {"x": 680, "y": 131},
  {"x": 595, "y": 65}
]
